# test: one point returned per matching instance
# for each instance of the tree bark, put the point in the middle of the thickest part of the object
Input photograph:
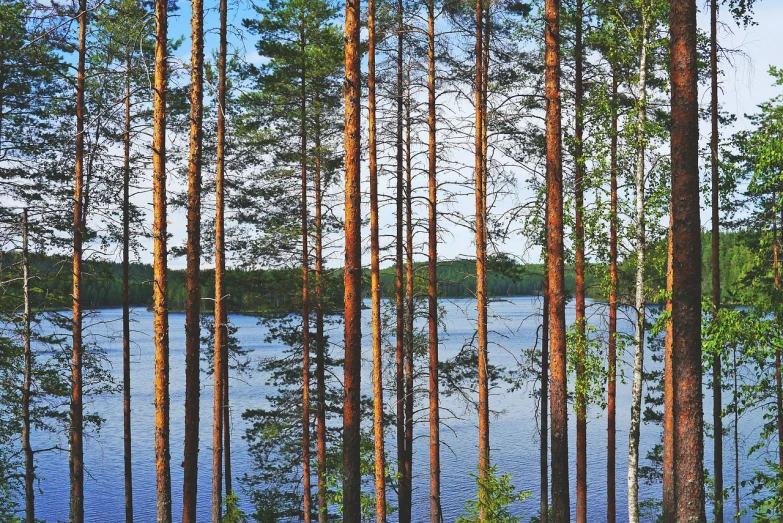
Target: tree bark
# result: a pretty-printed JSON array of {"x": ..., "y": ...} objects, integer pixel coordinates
[
  {"x": 611, "y": 404},
  {"x": 320, "y": 364},
  {"x": 579, "y": 231},
  {"x": 717, "y": 387},
  {"x": 353, "y": 267},
  {"x": 683, "y": 479},
  {"x": 561, "y": 507},
  {"x": 220, "y": 348},
  {"x": 410, "y": 310},
  {"x": 159, "y": 268},
  {"x": 640, "y": 302},
  {"x": 307, "y": 498},
  {"x": 126, "y": 378},
  {"x": 375, "y": 279},
  {"x": 27, "y": 449},
  {"x": 432, "y": 274},
  {"x": 481, "y": 275},
  {"x": 193, "y": 269},
  {"x": 76, "y": 460}
]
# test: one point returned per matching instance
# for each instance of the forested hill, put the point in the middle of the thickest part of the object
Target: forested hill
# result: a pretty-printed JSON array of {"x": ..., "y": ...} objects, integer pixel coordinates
[{"x": 267, "y": 290}]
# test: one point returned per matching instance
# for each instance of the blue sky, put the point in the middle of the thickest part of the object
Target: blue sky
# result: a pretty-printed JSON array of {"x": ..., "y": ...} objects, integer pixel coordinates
[{"x": 745, "y": 84}]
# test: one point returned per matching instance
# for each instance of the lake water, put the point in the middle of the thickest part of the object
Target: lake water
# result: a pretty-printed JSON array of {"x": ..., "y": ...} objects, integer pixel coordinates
[{"x": 514, "y": 433}]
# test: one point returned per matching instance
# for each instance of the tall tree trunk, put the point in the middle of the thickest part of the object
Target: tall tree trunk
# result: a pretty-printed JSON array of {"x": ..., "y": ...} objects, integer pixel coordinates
[
  {"x": 561, "y": 506},
  {"x": 159, "y": 267},
  {"x": 481, "y": 274},
  {"x": 193, "y": 270},
  {"x": 717, "y": 387},
  {"x": 220, "y": 349},
  {"x": 611, "y": 405},
  {"x": 320, "y": 364},
  {"x": 353, "y": 267},
  {"x": 126, "y": 349},
  {"x": 683, "y": 478},
  {"x": 76, "y": 460},
  {"x": 375, "y": 279},
  {"x": 27, "y": 449},
  {"x": 410, "y": 310},
  {"x": 436, "y": 515},
  {"x": 404, "y": 495},
  {"x": 544, "y": 400},
  {"x": 581, "y": 318},
  {"x": 226, "y": 415},
  {"x": 640, "y": 302},
  {"x": 307, "y": 498}
]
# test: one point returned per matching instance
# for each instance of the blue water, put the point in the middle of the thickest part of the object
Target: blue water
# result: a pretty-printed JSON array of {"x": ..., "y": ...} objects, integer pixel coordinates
[{"x": 514, "y": 431}]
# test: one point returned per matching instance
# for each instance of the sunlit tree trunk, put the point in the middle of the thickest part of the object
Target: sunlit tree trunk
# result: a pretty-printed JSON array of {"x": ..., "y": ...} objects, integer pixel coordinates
[
  {"x": 432, "y": 274},
  {"x": 640, "y": 302},
  {"x": 409, "y": 299},
  {"x": 717, "y": 388},
  {"x": 353, "y": 267},
  {"x": 27, "y": 449},
  {"x": 611, "y": 404},
  {"x": 193, "y": 270},
  {"x": 159, "y": 267},
  {"x": 481, "y": 274},
  {"x": 320, "y": 364},
  {"x": 76, "y": 458},
  {"x": 683, "y": 477},
  {"x": 561, "y": 507},
  {"x": 126, "y": 349},
  {"x": 375, "y": 279},
  {"x": 220, "y": 349}
]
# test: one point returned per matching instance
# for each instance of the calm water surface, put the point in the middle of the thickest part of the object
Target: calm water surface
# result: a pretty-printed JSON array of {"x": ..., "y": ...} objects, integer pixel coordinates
[{"x": 514, "y": 433}]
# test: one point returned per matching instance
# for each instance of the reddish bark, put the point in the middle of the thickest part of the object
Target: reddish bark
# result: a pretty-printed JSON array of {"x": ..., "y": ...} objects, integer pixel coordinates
[
  {"x": 76, "y": 458},
  {"x": 375, "y": 279},
  {"x": 226, "y": 418},
  {"x": 409, "y": 301},
  {"x": 193, "y": 269},
  {"x": 353, "y": 267},
  {"x": 159, "y": 268},
  {"x": 611, "y": 405},
  {"x": 683, "y": 441},
  {"x": 320, "y": 364},
  {"x": 481, "y": 274},
  {"x": 557, "y": 326},
  {"x": 432, "y": 274}
]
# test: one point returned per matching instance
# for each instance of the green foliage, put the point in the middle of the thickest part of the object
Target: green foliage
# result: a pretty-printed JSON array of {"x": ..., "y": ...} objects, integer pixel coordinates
[
  {"x": 587, "y": 350},
  {"x": 499, "y": 497},
  {"x": 231, "y": 511}
]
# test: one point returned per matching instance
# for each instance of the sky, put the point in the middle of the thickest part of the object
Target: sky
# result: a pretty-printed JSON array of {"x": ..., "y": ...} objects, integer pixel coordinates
[{"x": 744, "y": 85}]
